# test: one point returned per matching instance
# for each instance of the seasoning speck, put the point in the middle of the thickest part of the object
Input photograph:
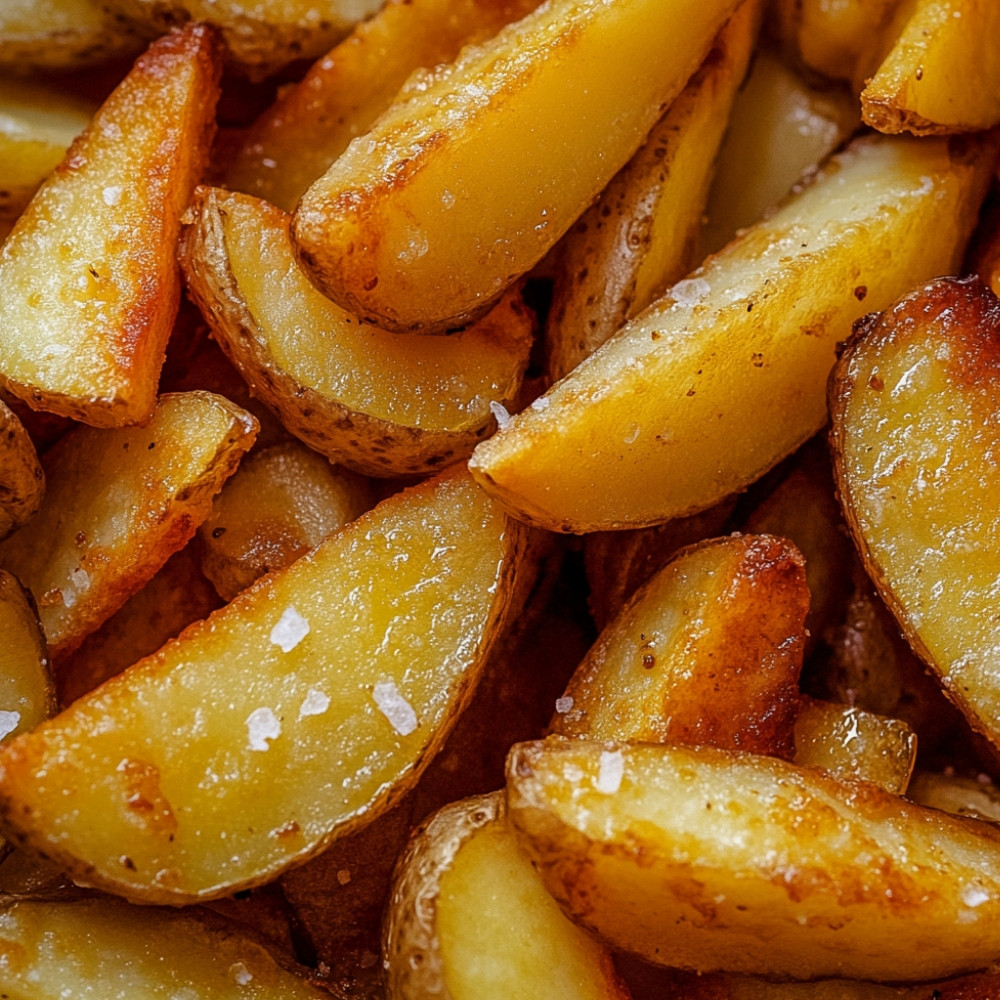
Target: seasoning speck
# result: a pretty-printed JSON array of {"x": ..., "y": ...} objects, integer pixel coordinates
[
  {"x": 610, "y": 770},
  {"x": 262, "y": 725},
  {"x": 395, "y": 707},
  {"x": 315, "y": 703},
  {"x": 290, "y": 629}
]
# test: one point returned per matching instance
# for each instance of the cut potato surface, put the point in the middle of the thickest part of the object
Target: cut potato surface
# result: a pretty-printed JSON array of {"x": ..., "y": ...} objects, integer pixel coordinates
[
  {"x": 707, "y": 860},
  {"x": 295, "y": 713},
  {"x": 726, "y": 374},
  {"x": 915, "y": 405}
]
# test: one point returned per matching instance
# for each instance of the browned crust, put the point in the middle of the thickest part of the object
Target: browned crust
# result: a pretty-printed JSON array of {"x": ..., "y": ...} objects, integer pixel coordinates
[{"x": 22, "y": 481}]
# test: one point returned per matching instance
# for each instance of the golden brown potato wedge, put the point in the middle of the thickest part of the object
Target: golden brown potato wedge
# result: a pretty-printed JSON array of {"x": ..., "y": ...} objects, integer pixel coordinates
[
  {"x": 913, "y": 402},
  {"x": 37, "y": 124},
  {"x": 119, "y": 504},
  {"x": 962, "y": 796},
  {"x": 310, "y": 124},
  {"x": 376, "y": 402},
  {"x": 708, "y": 652},
  {"x": 641, "y": 234},
  {"x": 726, "y": 374},
  {"x": 851, "y": 743},
  {"x": 465, "y": 860},
  {"x": 106, "y": 947},
  {"x": 708, "y": 860},
  {"x": 84, "y": 335},
  {"x": 417, "y": 226},
  {"x": 943, "y": 72},
  {"x": 262, "y": 37},
  {"x": 295, "y": 714},
  {"x": 22, "y": 479}
]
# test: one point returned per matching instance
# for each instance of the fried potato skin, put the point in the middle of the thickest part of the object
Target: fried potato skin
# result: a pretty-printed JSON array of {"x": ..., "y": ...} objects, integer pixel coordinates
[{"x": 22, "y": 479}]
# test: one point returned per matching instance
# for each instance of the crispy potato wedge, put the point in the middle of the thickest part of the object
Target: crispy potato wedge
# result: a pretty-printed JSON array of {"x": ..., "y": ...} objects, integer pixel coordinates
[
  {"x": 709, "y": 860},
  {"x": 943, "y": 72},
  {"x": 725, "y": 375},
  {"x": 641, "y": 234},
  {"x": 64, "y": 34},
  {"x": 310, "y": 124},
  {"x": 22, "y": 478},
  {"x": 37, "y": 124},
  {"x": 375, "y": 402},
  {"x": 708, "y": 652},
  {"x": 977, "y": 797},
  {"x": 293, "y": 715},
  {"x": 416, "y": 226},
  {"x": 282, "y": 502},
  {"x": 106, "y": 947},
  {"x": 913, "y": 404},
  {"x": 466, "y": 860},
  {"x": 852, "y": 743},
  {"x": 262, "y": 37},
  {"x": 119, "y": 504},
  {"x": 84, "y": 336}
]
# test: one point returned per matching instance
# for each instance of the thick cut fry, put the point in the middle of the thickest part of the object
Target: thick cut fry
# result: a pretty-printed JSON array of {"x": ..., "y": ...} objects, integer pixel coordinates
[
  {"x": 726, "y": 374},
  {"x": 376, "y": 402},
  {"x": 84, "y": 335},
  {"x": 309, "y": 125},
  {"x": 465, "y": 861},
  {"x": 296, "y": 713},
  {"x": 119, "y": 504},
  {"x": 709, "y": 860},
  {"x": 282, "y": 502},
  {"x": 105, "y": 947},
  {"x": 463, "y": 187},
  {"x": 709, "y": 651},
  {"x": 915, "y": 404},
  {"x": 641, "y": 234},
  {"x": 943, "y": 73},
  {"x": 22, "y": 479}
]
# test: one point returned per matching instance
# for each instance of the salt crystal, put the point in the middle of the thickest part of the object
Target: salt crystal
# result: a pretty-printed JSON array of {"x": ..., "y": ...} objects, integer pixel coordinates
[
  {"x": 395, "y": 707},
  {"x": 973, "y": 895},
  {"x": 112, "y": 195},
  {"x": 611, "y": 768},
  {"x": 563, "y": 705},
  {"x": 542, "y": 403},
  {"x": 290, "y": 629},
  {"x": 240, "y": 973},
  {"x": 316, "y": 703},
  {"x": 499, "y": 411},
  {"x": 80, "y": 578},
  {"x": 262, "y": 725},
  {"x": 9, "y": 721},
  {"x": 690, "y": 291}
]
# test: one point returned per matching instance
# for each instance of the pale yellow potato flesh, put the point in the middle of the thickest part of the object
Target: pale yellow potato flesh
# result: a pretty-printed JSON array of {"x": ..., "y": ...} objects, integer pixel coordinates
[
  {"x": 295, "y": 714},
  {"x": 369, "y": 399},
  {"x": 119, "y": 503},
  {"x": 465, "y": 862},
  {"x": 726, "y": 373},
  {"x": 958, "y": 795},
  {"x": 464, "y": 186},
  {"x": 914, "y": 405},
  {"x": 709, "y": 651},
  {"x": 707, "y": 860},
  {"x": 22, "y": 479},
  {"x": 310, "y": 124},
  {"x": 943, "y": 72},
  {"x": 84, "y": 335},
  {"x": 106, "y": 948},
  {"x": 641, "y": 234},
  {"x": 852, "y": 743}
]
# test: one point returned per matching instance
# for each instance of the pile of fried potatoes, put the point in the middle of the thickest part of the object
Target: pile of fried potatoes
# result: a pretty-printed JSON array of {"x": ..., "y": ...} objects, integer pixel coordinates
[{"x": 497, "y": 499}]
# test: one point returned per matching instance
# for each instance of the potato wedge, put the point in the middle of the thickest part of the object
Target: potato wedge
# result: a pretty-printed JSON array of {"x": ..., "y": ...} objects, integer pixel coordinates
[
  {"x": 375, "y": 402},
  {"x": 295, "y": 714},
  {"x": 37, "y": 124},
  {"x": 640, "y": 236},
  {"x": 977, "y": 797},
  {"x": 726, "y": 374},
  {"x": 22, "y": 479},
  {"x": 106, "y": 947},
  {"x": 282, "y": 502},
  {"x": 418, "y": 227},
  {"x": 708, "y": 652},
  {"x": 943, "y": 72},
  {"x": 262, "y": 37},
  {"x": 913, "y": 404},
  {"x": 466, "y": 860},
  {"x": 119, "y": 504},
  {"x": 84, "y": 336},
  {"x": 709, "y": 860},
  {"x": 310, "y": 124}
]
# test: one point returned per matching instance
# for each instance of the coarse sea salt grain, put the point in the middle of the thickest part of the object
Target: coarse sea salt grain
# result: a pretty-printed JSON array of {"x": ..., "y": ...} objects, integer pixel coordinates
[
  {"x": 541, "y": 403},
  {"x": 690, "y": 291},
  {"x": 500, "y": 414},
  {"x": 315, "y": 703},
  {"x": 973, "y": 895},
  {"x": 9, "y": 721},
  {"x": 564, "y": 704},
  {"x": 290, "y": 629},
  {"x": 240, "y": 973},
  {"x": 395, "y": 707},
  {"x": 611, "y": 768},
  {"x": 262, "y": 725},
  {"x": 112, "y": 195}
]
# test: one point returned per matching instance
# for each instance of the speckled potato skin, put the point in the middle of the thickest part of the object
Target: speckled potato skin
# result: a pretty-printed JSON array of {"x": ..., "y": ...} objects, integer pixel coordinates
[{"x": 22, "y": 480}]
